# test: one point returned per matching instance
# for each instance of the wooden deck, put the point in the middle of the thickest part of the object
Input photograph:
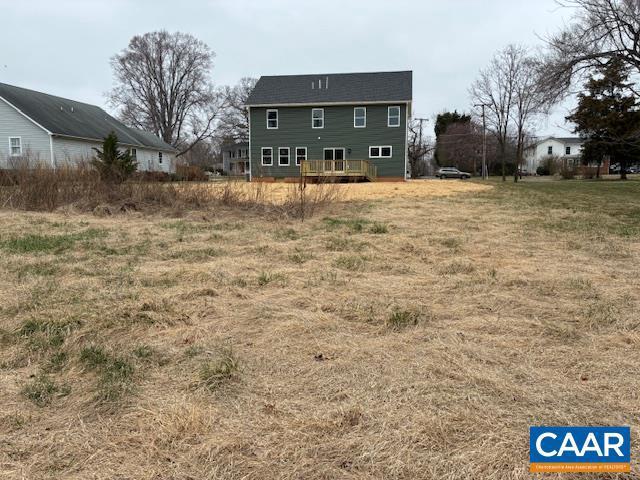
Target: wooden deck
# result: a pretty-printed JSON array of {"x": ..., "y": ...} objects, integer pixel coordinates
[{"x": 339, "y": 168}]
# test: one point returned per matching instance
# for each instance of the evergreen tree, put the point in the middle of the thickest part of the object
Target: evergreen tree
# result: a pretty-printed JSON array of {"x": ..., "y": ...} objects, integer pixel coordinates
[
  {"x": 113, "y": 165},
  {"x": 443, "y": 121},
  {"x": 608, "y": 117}
]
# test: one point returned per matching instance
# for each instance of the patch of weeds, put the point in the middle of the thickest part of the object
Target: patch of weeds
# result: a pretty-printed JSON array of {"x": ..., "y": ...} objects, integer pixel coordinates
[
  {"x": 40, "y": 269},
  {"x": 580, "y": 283},
  {"x": 350, "y": 262},
  {"x": 193, "y": 351},
  {"x": 14, "y": 421},
  {"x": 42, "y": 390},
  {"x": 214, "y": 374},
  {"x": 195, "y": 255},
  {"x": 300, "y": 256},
  {"x": 457, "y": 266},
  {"x": 143, "y": 351},
  {"x": 286, "y": 234},
  {"x": 115, "y": 380},
  {"x": 337, "y": 244},
  {"x": 355, "y": 225},
  {"x": 452, "y": 243},
  {"x": 34, "y": 243},
  {"x": 239, "y": 282},
  {"x": 400, "y": 319},
  {"x": 379, "y": 228},
  {"x": 115, "y": 373},
  {"x": 266, "y": 278},
  {"x": 46, "y": 333},
  {"x": 602, "y": 313},
  {"x": 57, "y": 361},
  {"x": 165, "y": 280}
]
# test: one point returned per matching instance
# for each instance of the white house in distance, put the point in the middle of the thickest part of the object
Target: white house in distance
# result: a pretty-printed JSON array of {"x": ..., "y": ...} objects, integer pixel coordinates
[
  {"x": 56, "y": 131},
  {"x": 567, "y": 148}
]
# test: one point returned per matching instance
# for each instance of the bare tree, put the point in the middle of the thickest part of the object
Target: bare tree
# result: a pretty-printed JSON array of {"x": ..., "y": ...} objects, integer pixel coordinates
[
  {"x": 419, "y": 147},
  {"x": 234, "y": 118},
  {"x": 496, "y": 88},
  {"x": 531, "y": 99},
  {"x": 163, "y": 86},
  {"x": 600, "y": 30}
]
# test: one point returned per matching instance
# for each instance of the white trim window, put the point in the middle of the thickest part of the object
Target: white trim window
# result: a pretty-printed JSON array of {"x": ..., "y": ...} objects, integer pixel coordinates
[
  {"x": 267, "y": 156},
  {"x": 283, "y": 156},
  {"x": 359, "y": 117},
  {"x": 160, "y": 158},
  {"x": 301, "y": 155},
  {"x": 272, "y": 119},
  {"x": 385, "y": 151},
  {"x": 393, "y": 116},
  {"x": 15, "y": 146},
  {"x": 133, "y": 152},
  {"x": 317, "y": 118}
]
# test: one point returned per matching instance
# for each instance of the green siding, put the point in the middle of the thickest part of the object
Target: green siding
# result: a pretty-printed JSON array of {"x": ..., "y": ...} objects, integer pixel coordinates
[{"x": 294, "y": 130}]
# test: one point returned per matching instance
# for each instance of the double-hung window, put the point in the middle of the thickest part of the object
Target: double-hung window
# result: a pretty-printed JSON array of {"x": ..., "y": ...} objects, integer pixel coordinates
[
  {"x": 133, "y": 152},
  {"x": 267, "y": 156},
  {"x": 393, "y": 116},
  {"x": 283, "y": 156},
  {"x": 301, "y": 155},
  {"x": 381, "y": 152},
  {"x": 159, "y": 157},
  {"x": 360, "y": 117},
  {"x": 272, "y": 119},
  {"x": 15, "y": 146},
  {"x": 567, "y": 151},
  {"x": 550, "y": 150},
  {"x": 317, "y": 118}
]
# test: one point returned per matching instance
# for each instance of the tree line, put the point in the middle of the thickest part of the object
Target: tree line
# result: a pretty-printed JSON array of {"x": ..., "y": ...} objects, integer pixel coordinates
[{"x": 597, "y": 52}]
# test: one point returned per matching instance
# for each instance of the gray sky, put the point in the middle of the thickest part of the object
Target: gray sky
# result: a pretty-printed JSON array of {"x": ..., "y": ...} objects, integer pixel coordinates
[{"x": 63, "y": 47}]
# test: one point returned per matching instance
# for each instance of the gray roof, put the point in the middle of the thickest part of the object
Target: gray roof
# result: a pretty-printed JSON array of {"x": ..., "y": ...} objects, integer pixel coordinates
[
  {"x": 332, "y": 88},
  {"x": 572, "y": 140},
  {"x": 69, "y": 118}
]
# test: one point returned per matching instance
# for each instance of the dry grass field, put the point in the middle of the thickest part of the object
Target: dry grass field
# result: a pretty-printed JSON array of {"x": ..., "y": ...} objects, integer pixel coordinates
[{"x": 410, "y": 331}]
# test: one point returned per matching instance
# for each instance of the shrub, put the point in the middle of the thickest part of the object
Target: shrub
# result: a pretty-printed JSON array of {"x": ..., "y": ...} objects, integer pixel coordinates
[
  {"x": 112, "y": 164},
  {"x": 567, "y": 170},
  {"x": 190, "y": 173}
]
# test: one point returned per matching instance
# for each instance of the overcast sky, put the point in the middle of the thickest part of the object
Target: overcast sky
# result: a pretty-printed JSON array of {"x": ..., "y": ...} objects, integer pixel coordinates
[{"x": 63, "y": 47}]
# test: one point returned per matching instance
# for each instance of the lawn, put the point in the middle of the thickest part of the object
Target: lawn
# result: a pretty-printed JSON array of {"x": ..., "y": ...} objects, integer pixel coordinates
[{"x": 410, "y": 331}]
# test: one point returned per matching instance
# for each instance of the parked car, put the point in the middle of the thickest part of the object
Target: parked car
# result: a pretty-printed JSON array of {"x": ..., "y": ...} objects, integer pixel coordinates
[
  {"x": 634, "y": 169},
  {"x": 451, "y": 172}
]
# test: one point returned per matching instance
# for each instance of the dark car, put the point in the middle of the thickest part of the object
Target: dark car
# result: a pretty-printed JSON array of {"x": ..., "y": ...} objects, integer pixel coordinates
[{"x": 451, "y": 172}]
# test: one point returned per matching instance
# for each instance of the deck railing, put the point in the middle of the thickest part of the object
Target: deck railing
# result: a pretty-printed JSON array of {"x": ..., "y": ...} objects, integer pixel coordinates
[{"x": 339, "y": 168}]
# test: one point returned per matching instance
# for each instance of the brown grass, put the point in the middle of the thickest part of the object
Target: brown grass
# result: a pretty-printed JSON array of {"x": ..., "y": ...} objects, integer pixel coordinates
[{"x": 229, "y": 345}]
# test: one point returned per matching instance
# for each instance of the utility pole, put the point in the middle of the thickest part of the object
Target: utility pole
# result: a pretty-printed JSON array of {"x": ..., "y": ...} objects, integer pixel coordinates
[{"x": 485, "y": 174}]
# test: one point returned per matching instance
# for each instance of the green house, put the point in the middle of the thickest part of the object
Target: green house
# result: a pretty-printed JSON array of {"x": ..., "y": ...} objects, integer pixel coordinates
[{"x": 347, "y": 126}]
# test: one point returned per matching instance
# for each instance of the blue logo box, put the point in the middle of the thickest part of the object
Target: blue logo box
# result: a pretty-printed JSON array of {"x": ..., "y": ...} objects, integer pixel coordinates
[{"x": 574, "y": 449}]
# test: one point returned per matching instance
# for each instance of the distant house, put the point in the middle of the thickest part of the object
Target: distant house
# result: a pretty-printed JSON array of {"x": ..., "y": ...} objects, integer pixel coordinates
[
  {"x": 235, "y": 158},
  {"x": 344, "y": 126},
  {"x": 565, "y": 148},
  {"x": 57, "y": 131}
]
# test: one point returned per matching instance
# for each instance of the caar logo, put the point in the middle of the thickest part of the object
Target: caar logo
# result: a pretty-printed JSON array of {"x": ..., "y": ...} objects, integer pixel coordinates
[{"x": 580, "y": 449}]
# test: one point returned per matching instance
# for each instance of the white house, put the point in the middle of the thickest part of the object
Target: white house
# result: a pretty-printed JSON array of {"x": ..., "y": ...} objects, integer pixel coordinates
[
  {"x": 57, "y": 131},
  {"x": 568, "y": 148}
]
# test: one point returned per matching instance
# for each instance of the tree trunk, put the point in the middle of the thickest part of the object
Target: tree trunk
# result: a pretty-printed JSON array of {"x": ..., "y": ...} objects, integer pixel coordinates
[
  {"x": 598, "y": 169},
  {"x": 623, "y": 170}
]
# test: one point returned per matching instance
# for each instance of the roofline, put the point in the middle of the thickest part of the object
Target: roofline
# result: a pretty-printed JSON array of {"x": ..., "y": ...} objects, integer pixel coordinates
[
  {"x": 551, "y": 137},
  {"x": 100, "y": 140},
  {"x": 335, "y": 73},
  {"x": 24, "y": 115},
  {"x": 316, "y": 104}
]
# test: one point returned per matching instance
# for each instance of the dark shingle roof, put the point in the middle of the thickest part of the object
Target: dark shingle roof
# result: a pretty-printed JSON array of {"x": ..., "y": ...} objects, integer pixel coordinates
[
  {"x": 332, "y": 88},
  {"x": 65, "y": 117}
]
